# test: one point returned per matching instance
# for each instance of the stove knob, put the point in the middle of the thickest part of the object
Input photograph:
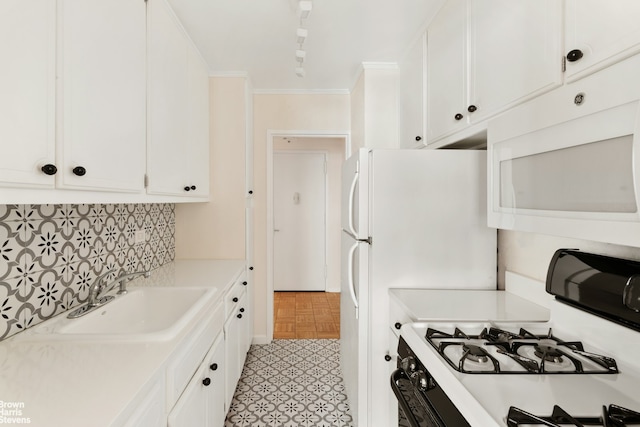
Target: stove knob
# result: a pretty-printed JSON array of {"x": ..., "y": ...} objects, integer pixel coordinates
[
  {"x": 409, "y": 364},
  {"x": 420, "y": 380}
]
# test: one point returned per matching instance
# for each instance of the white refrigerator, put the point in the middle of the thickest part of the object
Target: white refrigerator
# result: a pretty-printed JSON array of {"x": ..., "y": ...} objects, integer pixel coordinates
[{"x": 410, "y": 219}]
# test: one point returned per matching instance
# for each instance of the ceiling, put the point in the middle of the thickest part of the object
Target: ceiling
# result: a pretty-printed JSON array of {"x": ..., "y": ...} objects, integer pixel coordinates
[{"x": 258, "y": 38}]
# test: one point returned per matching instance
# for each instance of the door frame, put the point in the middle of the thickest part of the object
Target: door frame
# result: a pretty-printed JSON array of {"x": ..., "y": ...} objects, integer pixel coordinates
[{"x": 271, "y": 134}]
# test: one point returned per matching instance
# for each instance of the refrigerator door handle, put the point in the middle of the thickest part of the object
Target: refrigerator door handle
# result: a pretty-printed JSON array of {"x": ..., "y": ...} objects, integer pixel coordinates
[
  {"x": 350, "y": 274},
  {"x": 352, "y": 193}
]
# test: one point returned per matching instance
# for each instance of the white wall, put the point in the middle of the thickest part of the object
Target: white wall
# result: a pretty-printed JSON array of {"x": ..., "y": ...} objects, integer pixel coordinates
[
  {"x": 374, "y": 107},
  {"x": 216, "y": 229},
  {"x": 529, "y": 254}
]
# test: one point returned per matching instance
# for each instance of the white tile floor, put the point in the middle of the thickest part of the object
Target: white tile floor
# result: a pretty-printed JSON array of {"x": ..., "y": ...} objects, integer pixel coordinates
[{"x": 291, "y": 383}]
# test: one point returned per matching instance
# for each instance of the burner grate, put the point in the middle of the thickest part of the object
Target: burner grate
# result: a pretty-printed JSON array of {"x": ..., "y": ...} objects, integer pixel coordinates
[
  {"x": 614, "y": 416},
  {"x": 537, "y": 354}
]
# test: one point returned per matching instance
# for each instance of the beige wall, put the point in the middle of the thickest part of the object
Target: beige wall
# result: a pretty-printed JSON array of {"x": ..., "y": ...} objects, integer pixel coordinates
[
  {"x": 283, "y": 112},
  {"x": 529, "y": 254},
  {"x": 217, "y": 229}
]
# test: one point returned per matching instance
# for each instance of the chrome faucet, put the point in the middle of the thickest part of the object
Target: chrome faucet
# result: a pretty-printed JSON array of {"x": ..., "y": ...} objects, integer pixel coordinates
[{"x": 100, "y": 288}]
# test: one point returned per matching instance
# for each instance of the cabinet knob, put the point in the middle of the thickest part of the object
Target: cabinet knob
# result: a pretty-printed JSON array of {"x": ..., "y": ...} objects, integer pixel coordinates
[
  {"x": 472, "y": 108},
  {"x": 250, "y": 191},
  {"x": 213, "y": 366},
  {"x": 206, "y": 382},
  {"x": 239, "y": 316},
  {"x": 193, "y": 187},
  {"x": 398, "y": 325},
  {"x": 574, "y": 55},
  {"x": 244, "y": 283},
  {"x": 235, "y": 299},
  {"x": 187, "y": 188},
  {"x": 242, "y": 310},
  {"x": 458, "y": 116},
  {"x": 387, "y": 358},
  {"x": 79, "y": 171},
  {"x": 250, "y": 268},
  {"x": 49, "y": 169},
  {"x": 418, "y": 138}
]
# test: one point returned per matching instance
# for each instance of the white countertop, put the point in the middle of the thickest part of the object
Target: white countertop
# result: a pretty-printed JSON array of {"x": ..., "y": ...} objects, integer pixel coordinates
[
  {"x": 78, "y": 383},
  {"x": 467, "y": 305}
]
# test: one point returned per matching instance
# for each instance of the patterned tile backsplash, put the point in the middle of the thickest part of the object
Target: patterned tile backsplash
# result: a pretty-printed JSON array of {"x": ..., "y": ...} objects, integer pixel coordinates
[{"x": 51, "y": 254}]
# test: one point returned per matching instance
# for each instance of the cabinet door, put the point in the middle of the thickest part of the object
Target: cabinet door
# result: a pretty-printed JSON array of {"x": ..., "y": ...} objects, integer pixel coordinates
[
  {"x": 191, "y": 408},
  {"x": 412, "y": 98},
  {"x": 604, "y": 31},
  {"x": 27, "y": 88},
  {"x": 103, "y": 94},
  {"x": 515, "y": 52},
  {"x": 168, "y": 107},
  {"x": 178, "y": 116},
  {"x": 447, "y": 70},
  {"x": 197, "y": 123},
  {"x": 216, "y": 366},
  {"x": 245, "y": 339},
  {"x": 231, "y": 356}
]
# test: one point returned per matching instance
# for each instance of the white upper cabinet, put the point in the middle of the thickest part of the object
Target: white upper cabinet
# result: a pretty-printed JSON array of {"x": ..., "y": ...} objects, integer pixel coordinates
[
  {"x": 484, "y": 56},
  {"x": 102, "y": 99},
  {"x": 447, "y": 70},
  {"x": 178, "y": 114},
  {"x": 412, "y": 96},
  {"x": 599, "y": 33},
  {"x": 197, "y": 123},
  {"x": 27, "y": 88},
  {"x": 515, "y": 52}
]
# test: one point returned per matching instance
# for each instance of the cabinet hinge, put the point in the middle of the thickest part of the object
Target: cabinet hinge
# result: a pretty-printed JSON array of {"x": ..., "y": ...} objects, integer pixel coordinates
[
  {"x": 564, "y": 64},
  {"x": 146, "y": 177}
]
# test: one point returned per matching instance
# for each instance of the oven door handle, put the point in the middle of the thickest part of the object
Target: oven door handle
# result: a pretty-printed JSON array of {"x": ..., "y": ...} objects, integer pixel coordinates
[{"x": 397, "y": 375}]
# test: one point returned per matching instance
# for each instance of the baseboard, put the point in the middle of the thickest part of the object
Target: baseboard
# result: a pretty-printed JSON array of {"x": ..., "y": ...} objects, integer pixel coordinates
[{"x": 260, "y": 340}]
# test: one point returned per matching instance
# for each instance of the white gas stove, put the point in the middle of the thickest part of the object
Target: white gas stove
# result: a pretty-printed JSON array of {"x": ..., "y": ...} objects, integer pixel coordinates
[{"x": 576, "y": 369}]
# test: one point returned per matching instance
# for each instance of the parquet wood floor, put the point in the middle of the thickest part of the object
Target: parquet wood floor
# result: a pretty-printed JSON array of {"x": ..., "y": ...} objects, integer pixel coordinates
[{"x": 299, "y": 315}]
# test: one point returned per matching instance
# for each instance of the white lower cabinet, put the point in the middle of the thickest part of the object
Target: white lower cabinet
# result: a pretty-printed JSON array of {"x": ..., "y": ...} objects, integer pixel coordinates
[
  {"x": 148, "y": 410},
  {"x": 202, "y": 403},
  {"x": 237, "y": 338}
]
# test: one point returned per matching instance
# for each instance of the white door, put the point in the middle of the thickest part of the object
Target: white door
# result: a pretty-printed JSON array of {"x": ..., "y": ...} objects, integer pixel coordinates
[{"x": 299, "y": 198}]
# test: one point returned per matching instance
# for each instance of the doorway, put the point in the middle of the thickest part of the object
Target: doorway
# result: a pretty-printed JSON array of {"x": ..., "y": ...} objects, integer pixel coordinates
[
  {"x": 337, "y": 147},
  {"x": 299, "y": 218}
]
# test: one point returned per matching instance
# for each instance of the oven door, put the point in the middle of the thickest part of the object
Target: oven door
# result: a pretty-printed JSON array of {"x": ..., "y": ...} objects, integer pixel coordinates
[
  {"x": 421, "y": 401},
  {"x": 413, "y": 411}
]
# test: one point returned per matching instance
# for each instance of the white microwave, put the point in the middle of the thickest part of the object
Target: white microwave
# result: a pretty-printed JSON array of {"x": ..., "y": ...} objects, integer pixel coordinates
[{"x": 567, "y": 163}]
